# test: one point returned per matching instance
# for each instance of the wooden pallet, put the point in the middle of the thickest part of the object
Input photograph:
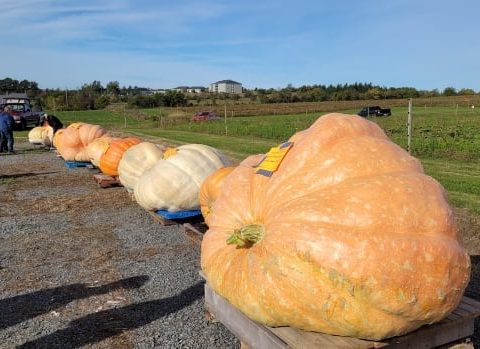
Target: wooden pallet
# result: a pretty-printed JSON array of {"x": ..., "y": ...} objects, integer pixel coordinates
[
  {"x": 195, "y": 231},
  {"x": 166, "y": 221},
  {"x": 457, "y": 326},
  {"x": 105, "y": 181},
  {"x": 76, "y": 164},
  {"x": 160, "y": 219}
]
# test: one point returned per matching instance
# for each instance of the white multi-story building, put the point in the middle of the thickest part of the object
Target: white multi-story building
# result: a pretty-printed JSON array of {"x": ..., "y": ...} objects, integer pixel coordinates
[{"x": 225, "y": 86}]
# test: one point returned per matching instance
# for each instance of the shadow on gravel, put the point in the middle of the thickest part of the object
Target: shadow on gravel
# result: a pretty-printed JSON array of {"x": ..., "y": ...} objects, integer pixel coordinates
[
  {"x": 20, "y": 308},
  {"x": 96, "y": 327},
  {"x": 26, "y": 174}
]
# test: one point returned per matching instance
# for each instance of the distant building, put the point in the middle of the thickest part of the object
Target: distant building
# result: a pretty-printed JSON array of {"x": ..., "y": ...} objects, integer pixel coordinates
[
  {"x": 181, "y": 89},
  {"x": 225, "y": 86},
  {"x": 196, "y": 89}
]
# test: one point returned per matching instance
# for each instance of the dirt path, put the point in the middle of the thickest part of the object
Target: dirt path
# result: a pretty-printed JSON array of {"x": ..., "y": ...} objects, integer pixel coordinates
[{"x": 84, "y": 266}]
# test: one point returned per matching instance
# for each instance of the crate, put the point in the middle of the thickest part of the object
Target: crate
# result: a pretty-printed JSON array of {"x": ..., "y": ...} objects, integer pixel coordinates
[{"x": 457, "y": 326}]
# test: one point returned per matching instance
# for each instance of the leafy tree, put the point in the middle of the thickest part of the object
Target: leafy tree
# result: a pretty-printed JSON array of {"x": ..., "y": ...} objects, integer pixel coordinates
[{"x": 449, "y": 91}]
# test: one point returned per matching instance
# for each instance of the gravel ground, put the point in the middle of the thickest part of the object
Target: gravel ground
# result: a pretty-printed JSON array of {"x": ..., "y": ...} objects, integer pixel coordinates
[{"x": 82, "y": 266}]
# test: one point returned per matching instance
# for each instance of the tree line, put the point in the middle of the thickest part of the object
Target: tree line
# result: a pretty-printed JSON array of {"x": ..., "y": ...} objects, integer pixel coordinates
[{"x": 96, "y": 96}]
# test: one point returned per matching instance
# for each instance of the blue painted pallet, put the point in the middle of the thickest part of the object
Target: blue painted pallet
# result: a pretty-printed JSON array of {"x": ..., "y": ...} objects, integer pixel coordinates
[
  {"x": 75, "y": 164},
  {"x": 179, "y": 214},
  {"x": 170, "y": 218}
]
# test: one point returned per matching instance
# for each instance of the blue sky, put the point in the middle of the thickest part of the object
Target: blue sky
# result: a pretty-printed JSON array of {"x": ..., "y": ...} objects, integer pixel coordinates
[{"x": 265, "y": 43}]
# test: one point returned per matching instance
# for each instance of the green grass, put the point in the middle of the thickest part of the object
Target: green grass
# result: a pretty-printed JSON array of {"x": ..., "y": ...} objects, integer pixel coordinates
[{"x": 460, "y": 179}]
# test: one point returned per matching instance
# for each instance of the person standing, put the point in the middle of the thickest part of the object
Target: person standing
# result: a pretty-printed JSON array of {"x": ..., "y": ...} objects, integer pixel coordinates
[{"x": 6, "y": 129}]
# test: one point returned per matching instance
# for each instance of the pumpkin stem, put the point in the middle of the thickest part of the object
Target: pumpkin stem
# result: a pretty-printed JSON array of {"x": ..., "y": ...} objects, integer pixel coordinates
[{"x": 246, "y": 236}]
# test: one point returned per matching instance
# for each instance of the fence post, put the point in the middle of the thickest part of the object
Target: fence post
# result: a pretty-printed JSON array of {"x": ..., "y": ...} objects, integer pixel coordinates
[
  {"x": 409, "y": 126},
  {"x": 226, "y": 130}
]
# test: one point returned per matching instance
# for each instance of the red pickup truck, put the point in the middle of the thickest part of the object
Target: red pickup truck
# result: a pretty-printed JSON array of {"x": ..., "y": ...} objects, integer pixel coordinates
[{"x": 21, "y": 110}]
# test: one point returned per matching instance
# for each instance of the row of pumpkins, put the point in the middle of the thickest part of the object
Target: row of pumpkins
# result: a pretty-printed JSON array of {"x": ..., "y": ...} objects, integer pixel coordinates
[
  {"x": 348, "y": 236},
  {"x": 158, "y": 177}
]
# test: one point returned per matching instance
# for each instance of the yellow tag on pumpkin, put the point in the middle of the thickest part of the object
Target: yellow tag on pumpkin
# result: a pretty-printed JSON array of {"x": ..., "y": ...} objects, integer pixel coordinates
[
  {"x": 273, "y": 159},
  {"x": 169, "y": 152}
]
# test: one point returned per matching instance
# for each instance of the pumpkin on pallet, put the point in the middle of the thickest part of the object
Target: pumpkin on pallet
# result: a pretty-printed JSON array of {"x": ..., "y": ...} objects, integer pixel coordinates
[
  {"x": 97, "y": 147},
  {"x": 41, "y": 135},
  {"x": 210, "y": 190},
  {"x": 72, "y": 141},
  {"x": 136, "y": 161},
  {"x": 347, "y": 236},
  {"x": 111, "y": 157},
  {"x": 173, "y": 183}
]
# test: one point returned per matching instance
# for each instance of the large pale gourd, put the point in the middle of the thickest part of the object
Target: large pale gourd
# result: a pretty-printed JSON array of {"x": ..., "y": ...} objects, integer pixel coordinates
[
  {"x": 210, "y": 190},
  {"x": 348, "y": 237},
  {"x": 174, "y": 183},
  {"x": 97, "y": 147},
  {"x": 41, "y": 135},
  {"x": 111, "y": 157},
  {"x": 136, "y": 160}
]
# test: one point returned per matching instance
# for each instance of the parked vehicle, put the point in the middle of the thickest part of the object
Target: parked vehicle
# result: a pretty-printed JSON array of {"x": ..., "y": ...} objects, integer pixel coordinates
[
  {"x": 21, "y": 110},
  {"x": 204, "y": 116},
  {"x": 375, "y": 111}
]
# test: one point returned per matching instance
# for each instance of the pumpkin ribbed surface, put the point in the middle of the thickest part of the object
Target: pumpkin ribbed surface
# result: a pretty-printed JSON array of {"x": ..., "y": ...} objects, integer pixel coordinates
[
  {"x": 111, "y": 157},
  {"x": 97, "y": 147},
  {"x": 72, "y": 141},
  {"x": 136, "y": 161},
  {"x": 210, "y": 190},
  {"x": 348, "y": 237},
  {"x": 41, "y": 135},
  {"x": 174, "y": 183}
]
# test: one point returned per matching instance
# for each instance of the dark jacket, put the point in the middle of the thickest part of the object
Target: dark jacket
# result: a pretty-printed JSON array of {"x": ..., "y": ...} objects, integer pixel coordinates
[{"x": 6, "y": 122}]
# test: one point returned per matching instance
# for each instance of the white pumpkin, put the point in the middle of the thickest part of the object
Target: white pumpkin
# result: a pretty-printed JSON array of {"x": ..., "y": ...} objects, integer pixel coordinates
[
  {"x": 174, "y": 183},
  {"x": 41, "y": 135},
  {"x": 136, "y": 160}
]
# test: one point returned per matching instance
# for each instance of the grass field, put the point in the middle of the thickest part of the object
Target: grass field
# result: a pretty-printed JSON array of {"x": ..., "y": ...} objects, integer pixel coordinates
[{"x": 446, "y": 139}]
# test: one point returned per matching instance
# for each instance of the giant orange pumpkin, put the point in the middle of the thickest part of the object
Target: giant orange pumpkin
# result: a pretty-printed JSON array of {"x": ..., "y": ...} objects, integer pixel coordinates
[
  {"x": 211, "y": 188},
  {"x": 111, "y": 157},
  {"x": 71, "y": 141},
  {"x": 97, "y": 147},
  {"x": 348, "y": 237}
]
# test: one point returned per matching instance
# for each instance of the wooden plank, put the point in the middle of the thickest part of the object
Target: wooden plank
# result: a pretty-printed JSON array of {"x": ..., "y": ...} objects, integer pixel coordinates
[
  {"x": 195, "y": 231},
  {"x": 458, "y": 326},
  {"x": 434, "y": 335},
  {"x": 472, "y": 302},
  {"x": 298, "y": 339},
  {"x": 106, "y": 181},
  {"x": 254, "y": 335},
  {"x": 160, "y": 219}
]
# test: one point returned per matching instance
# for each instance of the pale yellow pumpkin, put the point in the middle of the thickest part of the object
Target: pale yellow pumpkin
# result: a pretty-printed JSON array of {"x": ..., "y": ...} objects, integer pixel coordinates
[
  {"x": 136, "y": 160},
  {"x": 174, "y": 183},
  {"x": 41, "y": 135},
  {"x": 97, "y": 148}
]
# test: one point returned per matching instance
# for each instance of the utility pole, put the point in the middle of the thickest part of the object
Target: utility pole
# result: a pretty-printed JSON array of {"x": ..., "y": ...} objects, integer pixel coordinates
[{"x": 124, "y": 115}]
